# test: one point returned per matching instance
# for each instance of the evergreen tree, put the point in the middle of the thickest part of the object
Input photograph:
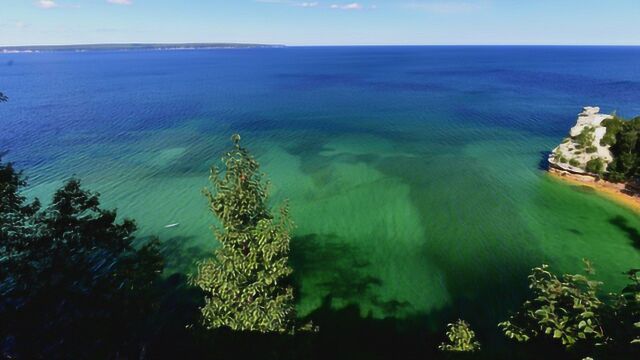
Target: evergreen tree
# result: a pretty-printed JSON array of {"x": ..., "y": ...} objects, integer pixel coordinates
[
  {"x": 72, "y": 283},
  {"x": 246, "y": 283}
]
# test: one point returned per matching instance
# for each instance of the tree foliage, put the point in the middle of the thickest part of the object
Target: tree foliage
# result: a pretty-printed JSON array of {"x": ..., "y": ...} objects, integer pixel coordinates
[
  {"x": 460, "y": 338},
  {"x": 624, "y": 315},
  {"x": 586, "y": 137},
  {"x": 595, "y": 166},
  {"x": 246, "y": 283},
  {"x": 623, "y": 136},
  {"x": 72, "y": 283},
  {"x": 566, "y": 309}
]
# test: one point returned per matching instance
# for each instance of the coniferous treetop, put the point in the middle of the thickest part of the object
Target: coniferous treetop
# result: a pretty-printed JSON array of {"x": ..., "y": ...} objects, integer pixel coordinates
[{"x": 246, "y": 283}]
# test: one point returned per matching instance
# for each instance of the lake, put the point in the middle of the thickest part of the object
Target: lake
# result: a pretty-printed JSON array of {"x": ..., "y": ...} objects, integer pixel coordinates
[{"x": 415, "y": 175}]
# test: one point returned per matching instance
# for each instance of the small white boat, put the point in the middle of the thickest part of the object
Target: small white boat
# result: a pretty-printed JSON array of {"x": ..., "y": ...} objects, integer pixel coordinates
[{"x": 171, "y": 226}]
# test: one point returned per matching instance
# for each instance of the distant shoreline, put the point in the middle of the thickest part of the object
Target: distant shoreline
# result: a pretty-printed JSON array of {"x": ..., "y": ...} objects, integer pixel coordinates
[{"x": 130, "y": 47}]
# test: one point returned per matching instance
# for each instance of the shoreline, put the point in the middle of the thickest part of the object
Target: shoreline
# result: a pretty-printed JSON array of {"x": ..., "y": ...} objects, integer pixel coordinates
[{"x": 609, "y": 190}]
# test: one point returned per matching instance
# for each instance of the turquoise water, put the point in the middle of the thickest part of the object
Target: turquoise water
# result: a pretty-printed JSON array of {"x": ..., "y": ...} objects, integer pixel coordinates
[{"x": 413, "y": 173}]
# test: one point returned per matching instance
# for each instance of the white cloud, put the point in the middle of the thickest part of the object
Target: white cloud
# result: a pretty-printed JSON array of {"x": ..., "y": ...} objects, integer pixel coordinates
[
  {"x": 446, "y": 7},
  {"x": 291, "y": 3},
  {"x": 317, "y": 4},
  {"x": 273, "y": 1},
  {"x": 47, "y": 4},
  {"x": 352, "y": 6},
  {"x": 120, "y": 2},
  {"x": 307, "y": 4}
]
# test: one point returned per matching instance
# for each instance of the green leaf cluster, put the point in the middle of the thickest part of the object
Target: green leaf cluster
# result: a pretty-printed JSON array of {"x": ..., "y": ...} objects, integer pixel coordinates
[
  {"x": 246, "y": 283},
  {"x": 586, "y": 137},
  {"x": 566, "y": 309},
  {"x": 624, "y": 315},
  {"x": 460, "y": 338},
  {"x": 595, "y": 166}
]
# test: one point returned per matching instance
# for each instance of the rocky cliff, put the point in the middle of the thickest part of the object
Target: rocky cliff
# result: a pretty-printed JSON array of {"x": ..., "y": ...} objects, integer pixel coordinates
[{"x": 581, "y": 152}]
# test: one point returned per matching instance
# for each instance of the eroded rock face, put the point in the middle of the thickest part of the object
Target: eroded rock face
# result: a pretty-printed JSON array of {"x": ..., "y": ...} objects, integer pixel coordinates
[{"x": 583, "y": 143}]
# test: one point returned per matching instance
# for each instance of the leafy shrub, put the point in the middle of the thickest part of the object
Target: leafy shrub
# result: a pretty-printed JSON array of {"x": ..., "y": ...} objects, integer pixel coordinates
[
  {"x": 591, "y": 149},
  {"x": 595, "y": 166},
  {"x": 460, "y": 338},
  {"x": 566, "y": 310},
  {"x": 613, "y": 126},
  {"x": 586, "y": 137},
  {"x": 574, "y": 162}
]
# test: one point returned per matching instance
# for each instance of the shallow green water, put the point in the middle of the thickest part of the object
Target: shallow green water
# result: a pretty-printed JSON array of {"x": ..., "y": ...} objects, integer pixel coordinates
[{"x": 400, "y": 227}]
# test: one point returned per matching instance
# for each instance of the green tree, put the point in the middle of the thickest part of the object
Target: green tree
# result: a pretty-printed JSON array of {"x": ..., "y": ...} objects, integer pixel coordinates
[
  {"x": 460, "y": 338},
  {"x": 624, "y": 317},
  {"x": 246, "y": 283},
  {"x": 623, "y": 135},
  {"x": 566, "y": 309},
  {"x": 595, "y": 166},
  {"x": 73, "y": 284}
]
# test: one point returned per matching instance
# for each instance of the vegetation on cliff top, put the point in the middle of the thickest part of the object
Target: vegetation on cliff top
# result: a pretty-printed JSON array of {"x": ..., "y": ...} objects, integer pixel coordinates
[{"x": 623, "y": 136}]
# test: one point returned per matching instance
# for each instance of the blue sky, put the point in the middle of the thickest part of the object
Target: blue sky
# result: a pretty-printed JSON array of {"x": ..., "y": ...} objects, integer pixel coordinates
[{"x": 321, "y": 22}]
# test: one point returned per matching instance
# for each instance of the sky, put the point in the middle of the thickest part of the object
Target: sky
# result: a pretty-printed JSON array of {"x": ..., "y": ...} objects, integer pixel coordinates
[{"x": 322, "y": 22}]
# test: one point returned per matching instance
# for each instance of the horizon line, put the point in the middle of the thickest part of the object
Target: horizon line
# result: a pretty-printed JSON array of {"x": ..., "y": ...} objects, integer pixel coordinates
[{"x": 221, "y": 43}]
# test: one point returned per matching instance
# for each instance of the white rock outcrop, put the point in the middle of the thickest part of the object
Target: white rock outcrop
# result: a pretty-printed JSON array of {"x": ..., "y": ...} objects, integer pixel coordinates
[{"x": 572, "y": 155}]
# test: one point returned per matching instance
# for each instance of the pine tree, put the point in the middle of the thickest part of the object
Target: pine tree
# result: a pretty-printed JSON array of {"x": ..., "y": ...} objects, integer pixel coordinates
[{"x": 246, "y": 283}]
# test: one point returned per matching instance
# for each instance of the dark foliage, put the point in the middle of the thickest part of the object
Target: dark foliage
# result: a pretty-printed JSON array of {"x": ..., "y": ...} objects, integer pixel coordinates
[
  {"x": 623, "y": 137},
  {"x": 571, "y": 311},
  {"x": 72, "y": 283}
]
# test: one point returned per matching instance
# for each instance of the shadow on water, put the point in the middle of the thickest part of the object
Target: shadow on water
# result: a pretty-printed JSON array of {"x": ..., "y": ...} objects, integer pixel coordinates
[
  {"x": 543, "y": 164},
  {"x": 181, "y": 254},
  {"x": 340, "y": 275},
  {"x": 335, "y": 268},
  {"x": 632, "y": 233},
  {"x": 313, "y": 255},
  {"x": 344, "y": 333}
]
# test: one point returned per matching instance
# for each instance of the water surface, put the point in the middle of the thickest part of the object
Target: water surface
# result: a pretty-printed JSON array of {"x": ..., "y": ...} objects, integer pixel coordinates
[{"x": 413, "y": 173}]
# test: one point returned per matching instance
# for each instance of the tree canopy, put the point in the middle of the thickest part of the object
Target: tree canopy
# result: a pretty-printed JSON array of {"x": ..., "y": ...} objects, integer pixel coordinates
[
  {"x": 623, "y": 136},
  {"x": 247, "y": 282},
  {"x": 73, "y": 283}
]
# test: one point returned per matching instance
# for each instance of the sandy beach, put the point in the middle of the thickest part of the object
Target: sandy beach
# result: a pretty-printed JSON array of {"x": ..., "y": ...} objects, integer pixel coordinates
[{"x": 607, "y": 189}]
